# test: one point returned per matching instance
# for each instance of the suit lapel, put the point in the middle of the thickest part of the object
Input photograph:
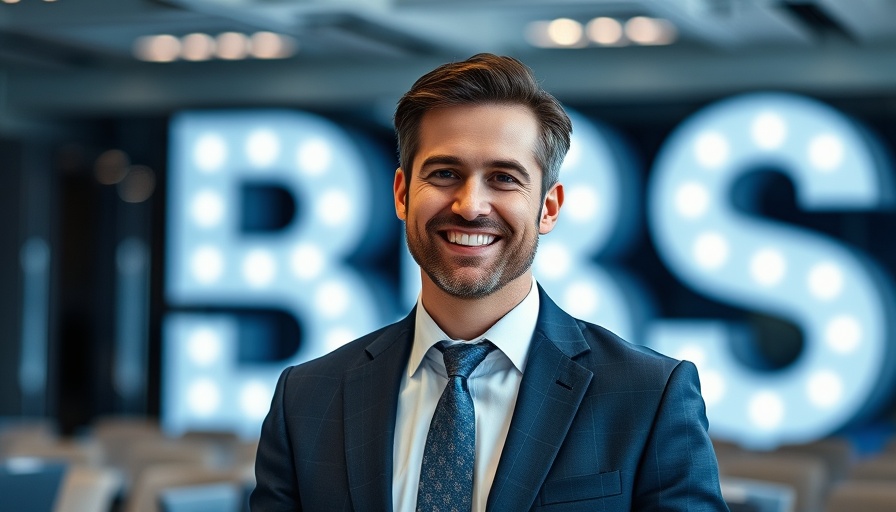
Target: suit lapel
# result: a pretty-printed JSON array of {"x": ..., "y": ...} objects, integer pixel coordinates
[
  {"x": 370, "y": 401},
  {"x": 550, "y": 393}
]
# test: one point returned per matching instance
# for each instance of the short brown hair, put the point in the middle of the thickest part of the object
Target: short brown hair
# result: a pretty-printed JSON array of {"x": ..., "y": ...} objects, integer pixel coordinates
[{"x": 485, "y": 78}]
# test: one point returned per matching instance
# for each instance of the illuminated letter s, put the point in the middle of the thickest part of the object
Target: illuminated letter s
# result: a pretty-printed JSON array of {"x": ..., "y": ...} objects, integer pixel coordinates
[{"x": 831, "y": 292}]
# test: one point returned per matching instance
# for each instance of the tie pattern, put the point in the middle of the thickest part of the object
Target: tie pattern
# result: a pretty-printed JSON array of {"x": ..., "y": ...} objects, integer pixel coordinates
[{"x": 446, "y": 475}]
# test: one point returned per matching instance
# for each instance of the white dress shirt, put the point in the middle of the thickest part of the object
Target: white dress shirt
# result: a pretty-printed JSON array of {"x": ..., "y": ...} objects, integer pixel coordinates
[{"x": 494, "y": 386}]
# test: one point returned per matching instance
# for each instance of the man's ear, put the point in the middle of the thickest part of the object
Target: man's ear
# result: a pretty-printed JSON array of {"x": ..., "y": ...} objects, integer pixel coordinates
[
  {"x": 550, "y": 209},
  {"x": 400, "y": 190}
]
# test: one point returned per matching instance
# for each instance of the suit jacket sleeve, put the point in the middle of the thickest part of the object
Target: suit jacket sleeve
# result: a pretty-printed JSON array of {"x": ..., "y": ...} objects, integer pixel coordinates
[
  {"x": 678, "y": 470},
  {"x": 275, "y": 473}
]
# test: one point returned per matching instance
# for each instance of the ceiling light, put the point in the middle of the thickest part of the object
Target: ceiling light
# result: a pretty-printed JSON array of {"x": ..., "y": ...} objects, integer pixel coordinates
[
  {"x": 268, "y": 45},
  {"x": 604, "y": 31},
  {"x": 232, "y": 46},
  {"x": 565, "y": 32},
  {"x": 197, "y": 47},
  {"x": 650, "y": 31},
  {"x": 537, "y": 34},
  {"x": 161, "y": 48}
]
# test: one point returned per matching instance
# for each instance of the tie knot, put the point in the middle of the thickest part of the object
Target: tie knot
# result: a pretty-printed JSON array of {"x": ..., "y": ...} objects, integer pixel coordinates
[{"x": 462, "y": 358}]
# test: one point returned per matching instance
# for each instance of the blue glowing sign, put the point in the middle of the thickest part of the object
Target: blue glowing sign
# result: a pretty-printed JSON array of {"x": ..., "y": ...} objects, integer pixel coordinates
[
  {"x": 830, "y": 291},
  {"x": 599, "y": 214},
  {"x": 298, "y": 269},
  {"x": 838, "y": 299}
]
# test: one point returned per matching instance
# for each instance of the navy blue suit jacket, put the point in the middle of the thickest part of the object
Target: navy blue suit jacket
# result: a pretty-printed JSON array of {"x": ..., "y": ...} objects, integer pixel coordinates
[{"x": 599, "y": 424}]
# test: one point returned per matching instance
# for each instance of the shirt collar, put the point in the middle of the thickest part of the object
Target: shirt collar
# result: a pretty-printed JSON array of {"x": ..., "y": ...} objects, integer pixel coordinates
[{"x": 512, "y": 334}]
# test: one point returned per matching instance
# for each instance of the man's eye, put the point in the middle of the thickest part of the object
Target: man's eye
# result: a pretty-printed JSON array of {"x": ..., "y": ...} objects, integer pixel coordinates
[
  {"x": 505, "y": 178},
  {"x": 445, "y": 175}
]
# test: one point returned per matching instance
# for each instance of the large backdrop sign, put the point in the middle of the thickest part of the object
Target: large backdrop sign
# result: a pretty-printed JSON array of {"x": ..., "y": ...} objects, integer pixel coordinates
[{"x": 279, "y": 223}]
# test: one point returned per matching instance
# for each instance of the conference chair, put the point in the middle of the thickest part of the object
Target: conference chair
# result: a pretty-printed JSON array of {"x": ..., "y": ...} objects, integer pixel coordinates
[
  {"x": 216, "y": 497},
  {"x": 862, "y": 496},
  {"x": 29, "y": 485},
  {"x": 222, "y": 447},
  {"x": 144, "y": 455},
  {"x": 837, "y": 454},
  {"x": 29, "y": 431},
  {"x": 118, "y": 435},
  {"x": 881, "y": 468},
  {"x": 805, "y": 474},
  {"x": 757, "y": 496},
  {"x": 82, "y": 452},
  {"x": 88, "y": 489},
  {"x": 146, "y": 494}
]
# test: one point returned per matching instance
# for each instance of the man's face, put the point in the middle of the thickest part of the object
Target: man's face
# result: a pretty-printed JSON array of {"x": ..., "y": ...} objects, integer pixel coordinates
[{"x": 473, "y": 206}]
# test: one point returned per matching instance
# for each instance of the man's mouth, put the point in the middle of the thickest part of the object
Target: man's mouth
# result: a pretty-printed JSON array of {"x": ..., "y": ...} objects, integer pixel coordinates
[{"x": 469, "y": 240}]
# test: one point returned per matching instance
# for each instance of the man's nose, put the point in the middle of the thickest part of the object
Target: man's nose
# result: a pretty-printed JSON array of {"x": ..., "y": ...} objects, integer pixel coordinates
[{"x": 472, "y": 200}]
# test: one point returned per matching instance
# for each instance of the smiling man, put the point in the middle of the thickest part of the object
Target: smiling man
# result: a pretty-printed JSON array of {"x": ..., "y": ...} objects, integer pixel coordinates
[
  {"x": 487, "y": 396},
  {"x": 473, "y": 209}
]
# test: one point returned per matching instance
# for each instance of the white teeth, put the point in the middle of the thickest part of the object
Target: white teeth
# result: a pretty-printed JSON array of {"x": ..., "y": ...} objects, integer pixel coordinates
[{"x": 469, "y": 240}]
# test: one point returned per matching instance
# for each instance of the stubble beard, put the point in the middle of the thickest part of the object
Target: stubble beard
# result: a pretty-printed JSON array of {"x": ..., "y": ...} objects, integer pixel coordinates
[{"x": 447, "y": 275}]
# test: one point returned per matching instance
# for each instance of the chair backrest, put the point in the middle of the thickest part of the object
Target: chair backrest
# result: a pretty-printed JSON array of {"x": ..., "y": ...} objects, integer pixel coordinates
[
  {"x": 862, "y": 496},
  {"x": 76, "y": 452},
  {"x": 145, "y": 455},
  {"x": 757, "y": 496},
  {"x": 146, "y": 492},
  {"x": 880, "y": 468},
  {"x": 16, "y": 432},
  {"x": 222, "y": 447},
  {"x": 805, "y": 474},
  {"x": 30, "y": 485},
  {"x": 88, "y": 489},
  {"x": 216, "y": 497},
  {"x": 837, "y": 454},
  {"x": 118, "y": 435}
]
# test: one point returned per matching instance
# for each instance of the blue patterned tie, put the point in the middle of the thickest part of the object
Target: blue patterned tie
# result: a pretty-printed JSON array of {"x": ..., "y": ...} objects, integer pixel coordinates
[{"x": 446, "y": 475}]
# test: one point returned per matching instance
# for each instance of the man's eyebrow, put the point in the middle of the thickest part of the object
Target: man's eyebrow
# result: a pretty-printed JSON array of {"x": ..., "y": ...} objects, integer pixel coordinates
[{"x": 441, "y": 160}]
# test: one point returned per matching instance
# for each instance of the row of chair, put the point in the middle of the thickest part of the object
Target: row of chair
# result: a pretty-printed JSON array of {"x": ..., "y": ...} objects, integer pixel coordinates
[
  {"x": 128, "y": 464},
  {"x": 826, "y": 475}
]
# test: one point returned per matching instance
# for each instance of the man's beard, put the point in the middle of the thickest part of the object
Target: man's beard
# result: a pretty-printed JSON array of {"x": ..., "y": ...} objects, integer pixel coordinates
[{"x": 518, "y": 258}]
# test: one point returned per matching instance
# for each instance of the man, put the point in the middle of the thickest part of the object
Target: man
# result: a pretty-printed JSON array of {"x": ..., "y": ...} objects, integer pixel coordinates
[{"x": 548, "y": 412}]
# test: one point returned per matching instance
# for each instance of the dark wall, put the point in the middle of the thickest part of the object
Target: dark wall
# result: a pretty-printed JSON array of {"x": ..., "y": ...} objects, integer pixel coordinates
[{"x": 10, "y": 276}]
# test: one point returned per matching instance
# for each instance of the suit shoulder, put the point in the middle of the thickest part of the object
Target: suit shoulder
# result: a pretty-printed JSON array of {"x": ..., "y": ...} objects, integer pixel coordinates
[
  {"x": 607, "y": 346},
  {"x": 604, "y": 347},
  {"x": 353, "y": 353}
]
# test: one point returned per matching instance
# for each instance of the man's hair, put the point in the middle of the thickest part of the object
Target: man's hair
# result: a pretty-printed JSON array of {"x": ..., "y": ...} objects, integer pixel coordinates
[{"x": 485, "y": 79}]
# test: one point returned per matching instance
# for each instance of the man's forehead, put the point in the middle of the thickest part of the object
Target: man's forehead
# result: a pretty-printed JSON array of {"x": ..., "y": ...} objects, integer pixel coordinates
[{"x": 484, "y": 127}]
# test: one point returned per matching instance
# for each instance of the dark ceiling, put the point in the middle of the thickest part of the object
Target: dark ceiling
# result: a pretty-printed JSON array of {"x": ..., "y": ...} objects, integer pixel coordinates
[{"x": 76, "y": 56}]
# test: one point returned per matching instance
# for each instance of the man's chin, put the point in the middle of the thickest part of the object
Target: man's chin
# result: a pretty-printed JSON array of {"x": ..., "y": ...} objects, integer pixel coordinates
[
  {"x": 467, "y": 286},
  {"x": 469, "y": 292}
]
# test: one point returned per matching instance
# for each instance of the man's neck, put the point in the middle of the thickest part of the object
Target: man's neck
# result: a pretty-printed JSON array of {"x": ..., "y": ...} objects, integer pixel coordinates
[{"x": 467, "y": 319}]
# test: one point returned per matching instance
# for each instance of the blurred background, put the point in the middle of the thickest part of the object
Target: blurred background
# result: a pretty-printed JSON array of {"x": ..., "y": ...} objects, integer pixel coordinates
[{"x": 197, "y": 193}]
